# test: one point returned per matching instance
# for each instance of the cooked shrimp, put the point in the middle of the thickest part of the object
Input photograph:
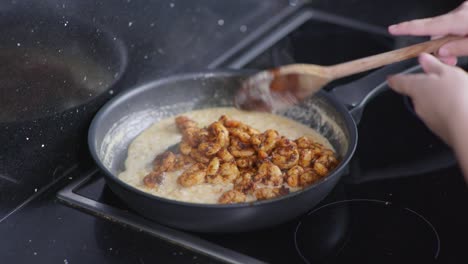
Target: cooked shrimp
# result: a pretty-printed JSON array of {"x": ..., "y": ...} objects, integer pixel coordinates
[
  {"x": 303, "y": 142},
  {"x": 183, "y": 122},
  {"x": 320, "y": 169},
  {"x": 285, "y": 154},
  {"x": 213, "y": 167},
  {"x": 262, "y": 155},
  {"x": 293, "y": 175},
  {"x": 328, "y": 159},
  {"x": 268, "y": 193},
  {"x": 247, "y": 162},
  {"x": 189, "y": 129},
  {"x": 252, "y": 131},
  {"x": 185, "y": 147},
  {"x": 231, "y": 152},
  {"x": 199, "y": 156},
  {"x": 225, "y": 156},
  {"x": 164, "y": 162},
  {"x": 182, "y": 161},
  {"x": 266, "y": 141},
  {"x": 230, "y": 123},
  {"x": 227, "y": 173},
  {"x": 191, "y": 136},
  {"x": 208, "y": 148},
  {"x": 306, "y": 156},
  {"x": 227, "y": 122},
  {"x": 220, "y": 133},
  {"x": 241, "y": 134},
  {"x": 193, "y": 176},
  {"x": 240, "y": 149},
  {"x": 307, "y": 178},
  {"x": 232, "y": 196},
  {"x": 270, "y": 174},
  {"x": 152, "y": 179},
  {"x": 244, "y": 183},
  {"x": 218, "y": 138}
]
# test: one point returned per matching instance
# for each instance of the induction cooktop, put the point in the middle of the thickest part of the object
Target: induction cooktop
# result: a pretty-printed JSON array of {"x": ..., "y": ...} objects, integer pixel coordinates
[{"x": 403, "y": 199}]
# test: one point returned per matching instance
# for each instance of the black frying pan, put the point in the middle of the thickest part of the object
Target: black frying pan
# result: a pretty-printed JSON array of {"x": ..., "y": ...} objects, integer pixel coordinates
[
  {"x": 125, "y": 116},
  {"x": 55, "y": 73}
]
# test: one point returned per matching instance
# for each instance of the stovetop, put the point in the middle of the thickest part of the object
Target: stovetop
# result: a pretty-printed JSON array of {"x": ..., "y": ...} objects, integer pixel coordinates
[
  {"x": 393, "y": 206},
  {"x": 404, "y": 198},
  {"x": 417, "y": 216}
]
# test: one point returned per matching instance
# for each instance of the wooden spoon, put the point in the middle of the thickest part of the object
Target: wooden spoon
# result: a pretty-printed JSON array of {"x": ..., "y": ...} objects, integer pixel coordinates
[{"x": 279, "y": 88}]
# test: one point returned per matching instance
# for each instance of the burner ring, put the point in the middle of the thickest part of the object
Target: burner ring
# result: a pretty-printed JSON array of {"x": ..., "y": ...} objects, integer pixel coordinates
[{"x": 346, "y": 238}]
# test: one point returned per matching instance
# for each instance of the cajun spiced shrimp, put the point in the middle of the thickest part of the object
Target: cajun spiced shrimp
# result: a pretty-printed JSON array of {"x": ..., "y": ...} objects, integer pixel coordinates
[{"x": 257, "y": 165}]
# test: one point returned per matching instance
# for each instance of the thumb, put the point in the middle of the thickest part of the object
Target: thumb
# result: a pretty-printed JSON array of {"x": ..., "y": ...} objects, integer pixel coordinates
[
  {"x": 455, "y": 48},
  {"x": 407, "y": 84},
  {"x": 431, "y": 64}
]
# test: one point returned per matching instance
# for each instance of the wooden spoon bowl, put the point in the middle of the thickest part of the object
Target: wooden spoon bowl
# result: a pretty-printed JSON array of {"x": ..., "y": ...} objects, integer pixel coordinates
[{"x": 279, "y": 88}]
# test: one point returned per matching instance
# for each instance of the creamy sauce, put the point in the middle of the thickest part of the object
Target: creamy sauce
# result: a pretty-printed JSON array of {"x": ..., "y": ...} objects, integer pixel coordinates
[{"x": 158, "y": 137}]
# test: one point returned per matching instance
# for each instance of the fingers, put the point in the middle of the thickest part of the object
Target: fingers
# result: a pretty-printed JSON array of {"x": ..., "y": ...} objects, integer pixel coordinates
[
  {"x": 453, "y": 23},
  {"x": 449, "y": 60},
  {"x": 454, "y": 48},
  {"x": 440, "y": 25},
  {"x": 406, "y": 84},
  {"x": 431, "y": 64},
  {"x": 452, "y": 61}
]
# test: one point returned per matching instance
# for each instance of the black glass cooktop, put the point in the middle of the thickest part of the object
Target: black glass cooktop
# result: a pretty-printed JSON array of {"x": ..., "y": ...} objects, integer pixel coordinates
[
  {"x": 386, "y": 217},
  {"x": 403, "y": 200}
]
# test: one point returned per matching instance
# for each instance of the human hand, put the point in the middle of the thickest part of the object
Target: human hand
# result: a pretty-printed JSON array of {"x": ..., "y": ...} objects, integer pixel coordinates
[
  {"x": 440, "y": 96},
  {"x": 453, "y": 23}
]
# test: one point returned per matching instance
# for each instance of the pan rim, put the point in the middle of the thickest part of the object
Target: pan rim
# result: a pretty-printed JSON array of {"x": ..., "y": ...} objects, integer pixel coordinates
[{"x": 106, "y": 108}]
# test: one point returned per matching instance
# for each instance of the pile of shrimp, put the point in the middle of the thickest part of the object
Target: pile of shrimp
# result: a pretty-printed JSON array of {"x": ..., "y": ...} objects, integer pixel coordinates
[{"x": 265, "y": 165}]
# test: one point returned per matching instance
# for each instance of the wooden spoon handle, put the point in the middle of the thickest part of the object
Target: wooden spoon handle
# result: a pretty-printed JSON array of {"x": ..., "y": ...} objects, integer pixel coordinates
[{"x": 375, "y": 61}]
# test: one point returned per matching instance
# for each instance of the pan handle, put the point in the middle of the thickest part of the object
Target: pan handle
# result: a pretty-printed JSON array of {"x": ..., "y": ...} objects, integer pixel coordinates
[
  {"x": 357, "y": 94},
  {"x": 443, "y": 160},
  {"x": 355, "y": 97}
]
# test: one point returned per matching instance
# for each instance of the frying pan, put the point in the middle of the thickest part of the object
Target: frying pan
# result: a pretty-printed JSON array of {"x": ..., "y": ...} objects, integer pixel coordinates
[
  {"x": 55, "y": 73},
  {"x": 333, "y": 114}
]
